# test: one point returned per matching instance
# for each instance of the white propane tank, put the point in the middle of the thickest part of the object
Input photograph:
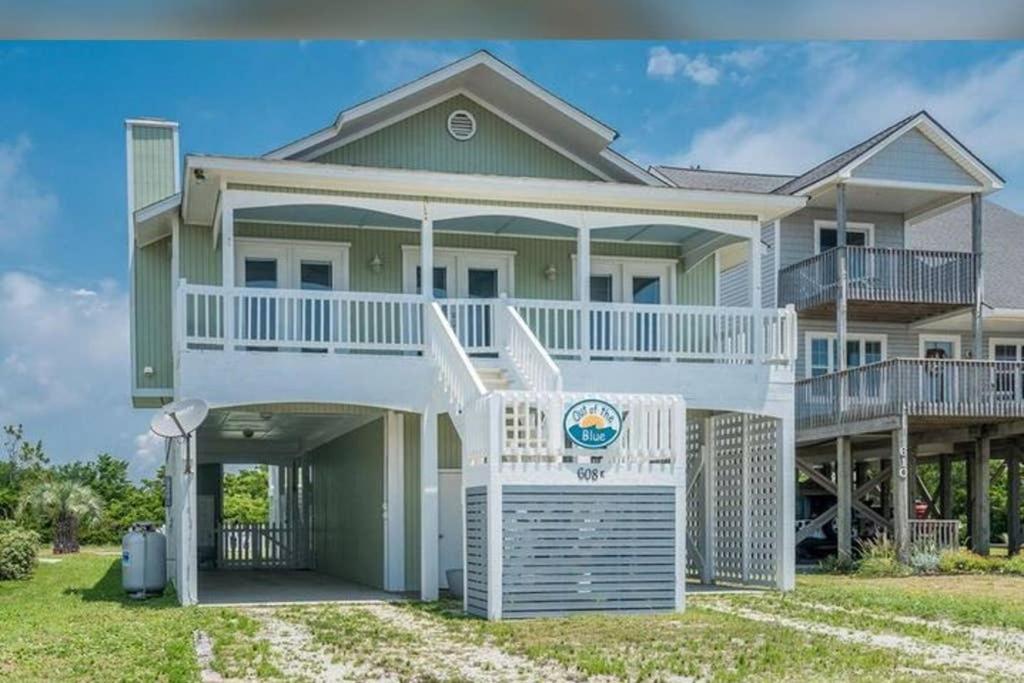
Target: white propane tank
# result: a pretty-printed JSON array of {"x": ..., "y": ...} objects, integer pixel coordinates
[{"x": 143, "y": 560}]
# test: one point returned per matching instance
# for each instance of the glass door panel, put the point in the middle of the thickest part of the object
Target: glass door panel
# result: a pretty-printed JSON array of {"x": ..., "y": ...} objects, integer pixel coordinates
[
  {"x": 601, "y": 291},
  {"x": 316, "y": 313},
  {"x": 482, "y": 283},
  {"x": 259, "y": 317},
  {"x": 647, "y": 291}
]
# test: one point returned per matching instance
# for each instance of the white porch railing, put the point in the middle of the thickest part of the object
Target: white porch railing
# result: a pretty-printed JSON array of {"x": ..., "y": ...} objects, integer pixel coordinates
[
  {"x": 342, "y": 321},
  {"x": 689, "y": 333},
  {"x": 944, "y": 533},
  {"x": 527, "y": 354},
  {"x": 457, "y": 374},
  {"x": 261, "y": 546}
]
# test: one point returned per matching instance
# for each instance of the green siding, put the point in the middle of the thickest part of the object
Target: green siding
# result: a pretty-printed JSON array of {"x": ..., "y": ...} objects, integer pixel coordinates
[
  {"x": 199, "y": 261},
  {"x": 449, "y": 445},
  {"x": 422, "y": 142},
  {"x": 153, "y": 315},
  {"x": 348, "y": 496},
  {"x": 532, "y": 257},
  {"x": 697, "y": 285},
  {"x": 152, "y": 163}
]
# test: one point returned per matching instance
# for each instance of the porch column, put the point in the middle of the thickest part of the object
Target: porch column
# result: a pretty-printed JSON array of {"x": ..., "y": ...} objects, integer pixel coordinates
[
  {"x": 227, "y": 267},
  {"x": 427, "y": 255},
  {"x": 428, "y": 504},
  {"x": 1013, "y": 530},
  {"x": 756, "y": 254},
  {"x": 912, "y": 488},
  {"x": 844, "y": 494},
  {"x": 979, "y": 288},
  {"x": 181, "y": 467},
  {"x": 900, "y": 491},
  {"x": 841, "y": 275},
  {"x": 394, "y": 504},
  {"x": 980, "y": 523},
  {"x": 785, "y": 476},
  {"x": 583, "y": 287},
  {"x": 946, "y": 486}
]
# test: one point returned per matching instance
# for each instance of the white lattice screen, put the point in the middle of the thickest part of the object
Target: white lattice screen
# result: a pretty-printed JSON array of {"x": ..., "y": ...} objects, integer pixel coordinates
[
  {"x": 695, "y": 469},
  {"x": 743, "y": 467}
]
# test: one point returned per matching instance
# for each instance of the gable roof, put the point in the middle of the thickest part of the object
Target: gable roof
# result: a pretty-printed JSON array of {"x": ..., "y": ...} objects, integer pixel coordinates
[
  {"x": 497, "y": 86},
  {"x": 862, "y": 150},
  {"x": 725, "y": 181}
]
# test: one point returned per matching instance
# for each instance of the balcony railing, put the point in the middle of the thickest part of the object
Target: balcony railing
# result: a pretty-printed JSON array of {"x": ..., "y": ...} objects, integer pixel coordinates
[
  {"x": 883, "y": 275},
  {"x": 917, "y": 386},
  {"x": 337, "y": 321}
]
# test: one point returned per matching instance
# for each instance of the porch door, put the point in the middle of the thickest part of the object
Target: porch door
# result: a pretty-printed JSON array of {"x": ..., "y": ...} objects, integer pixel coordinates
[
  {"x": 261, "y": 269},
  {"x": 603, "y": 289},
  {"x": 1008, "y": 379},
  {"x": 449, "y": 545},
  {"x": 646, "y": 290}
]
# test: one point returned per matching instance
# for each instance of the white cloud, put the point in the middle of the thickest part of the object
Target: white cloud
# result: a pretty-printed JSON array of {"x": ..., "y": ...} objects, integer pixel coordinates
[
  {"x": 840, "y": 95},
  {"x": 149, "y": 450},
  {"x": 746, "y": 59},
  {"x": 402, "y": 62},
  {"x": 64, "y": 364},
  {"x": 664, "y": 64},
  {"x": 26, "y": 207}
]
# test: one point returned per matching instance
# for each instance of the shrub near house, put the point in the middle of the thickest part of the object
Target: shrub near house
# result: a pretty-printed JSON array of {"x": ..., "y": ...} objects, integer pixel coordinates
[{"x": 17, "y": 551}]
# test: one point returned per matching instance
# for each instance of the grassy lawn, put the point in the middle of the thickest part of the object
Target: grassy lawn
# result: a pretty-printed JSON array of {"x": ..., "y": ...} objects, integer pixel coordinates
[{"x": 72, "y": 621}]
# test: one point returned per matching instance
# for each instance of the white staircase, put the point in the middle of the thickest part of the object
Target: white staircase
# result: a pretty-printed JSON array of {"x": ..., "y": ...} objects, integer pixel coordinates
[{"x": 493, "y": 378}]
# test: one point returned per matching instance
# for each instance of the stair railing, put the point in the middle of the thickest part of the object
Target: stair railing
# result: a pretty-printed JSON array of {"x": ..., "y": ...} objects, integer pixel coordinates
[
  {"x": 531, "y": 360},
  {"x": 458, "y": 376}
]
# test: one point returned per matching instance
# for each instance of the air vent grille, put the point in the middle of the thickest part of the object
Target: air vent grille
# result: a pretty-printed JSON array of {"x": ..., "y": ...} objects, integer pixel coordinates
[{"x": 461, "y": 124}]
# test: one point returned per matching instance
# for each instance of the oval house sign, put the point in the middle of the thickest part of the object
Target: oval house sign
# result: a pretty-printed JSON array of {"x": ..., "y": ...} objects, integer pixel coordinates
[{"x": 592, "y": 423}]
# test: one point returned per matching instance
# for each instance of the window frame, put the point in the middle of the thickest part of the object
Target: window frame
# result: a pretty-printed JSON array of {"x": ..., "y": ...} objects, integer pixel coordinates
[
  {"x": 955, "y": 339},
  {"x": 831, "y": 337},
  {"x": 851, "y": 226}
]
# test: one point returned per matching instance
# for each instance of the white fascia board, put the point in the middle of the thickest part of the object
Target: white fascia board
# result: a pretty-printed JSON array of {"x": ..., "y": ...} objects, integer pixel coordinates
[
  {"x": 597, "y": 194},
  {"x": 154, "y": 222},
  {"x": 631, "y": 168},
  {"x": 387, "y": 99},
  {"x": 152, "y": 123}
]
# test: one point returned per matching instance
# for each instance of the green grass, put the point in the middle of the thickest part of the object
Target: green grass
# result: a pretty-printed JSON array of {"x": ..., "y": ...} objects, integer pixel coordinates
[
  {"x": 972, "y": 600},
  {"x": 699, "y": 643},
  {"x": 72, "y": 622}
]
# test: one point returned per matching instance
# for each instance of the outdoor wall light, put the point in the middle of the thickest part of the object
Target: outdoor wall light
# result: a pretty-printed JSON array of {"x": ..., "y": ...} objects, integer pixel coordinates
[
  {"x": 376, "y": 263},
  {"x": 247, "y": 433},
  {"x": 551, "y": 272}
]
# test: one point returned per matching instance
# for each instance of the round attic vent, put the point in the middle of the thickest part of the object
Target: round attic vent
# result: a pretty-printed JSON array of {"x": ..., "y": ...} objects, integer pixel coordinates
[{"x": 461, "y": 124}]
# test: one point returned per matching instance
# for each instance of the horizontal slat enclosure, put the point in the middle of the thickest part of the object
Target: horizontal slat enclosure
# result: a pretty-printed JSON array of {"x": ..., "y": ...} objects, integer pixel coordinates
[
  {"x": 573, "y": 549},
  {"x": 476, "y": 551}
]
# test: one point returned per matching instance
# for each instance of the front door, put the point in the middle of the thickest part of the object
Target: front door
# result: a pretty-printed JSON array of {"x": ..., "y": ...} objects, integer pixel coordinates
[
  {"x": 449, "y": 544},
  {"x": 1009, "y": 379}
]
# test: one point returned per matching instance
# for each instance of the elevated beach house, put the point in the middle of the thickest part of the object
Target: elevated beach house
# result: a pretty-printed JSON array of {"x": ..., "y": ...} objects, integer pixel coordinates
[{"x": 478, "y": 349}]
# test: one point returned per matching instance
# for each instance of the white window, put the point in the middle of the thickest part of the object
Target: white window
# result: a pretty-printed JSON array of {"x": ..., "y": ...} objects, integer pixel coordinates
[
  {"x": 630, "y": 280},
  {"x": 939, "y": 346},
  {"x": 462, "y": 273},
  {"x": 857, "y": 235},
  {"x": 861, "y": 349},
  {"x": 1006, "y": 349},
  {"x": 291, "y": 264}
]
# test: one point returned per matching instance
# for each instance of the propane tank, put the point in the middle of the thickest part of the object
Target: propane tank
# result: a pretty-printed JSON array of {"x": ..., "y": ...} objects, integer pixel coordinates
[{"x": 143, "y": 560}]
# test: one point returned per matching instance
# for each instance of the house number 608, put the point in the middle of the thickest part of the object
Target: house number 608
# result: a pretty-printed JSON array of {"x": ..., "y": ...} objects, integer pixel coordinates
[{"x": 589, "y": 474}]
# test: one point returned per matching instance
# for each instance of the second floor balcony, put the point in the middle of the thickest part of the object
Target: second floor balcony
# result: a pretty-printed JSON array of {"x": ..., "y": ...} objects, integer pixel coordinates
[
  {"x": 927, "y": 389},
  {"x": 882, "y": 284}
]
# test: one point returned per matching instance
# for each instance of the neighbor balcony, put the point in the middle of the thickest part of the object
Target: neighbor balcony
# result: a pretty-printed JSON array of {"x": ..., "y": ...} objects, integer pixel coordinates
[
  {"x": 928, "y": 390},
  {"x": 882, "y": 284}
]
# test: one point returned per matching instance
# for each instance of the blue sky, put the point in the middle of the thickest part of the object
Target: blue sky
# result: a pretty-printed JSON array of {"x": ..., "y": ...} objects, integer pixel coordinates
[{"x": 773, "y": 107}]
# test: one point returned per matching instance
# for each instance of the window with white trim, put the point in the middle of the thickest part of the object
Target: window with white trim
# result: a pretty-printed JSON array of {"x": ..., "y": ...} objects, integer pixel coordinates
[
  {"x": 860, "y": 350},
  {"x": 826, "y": 235}
]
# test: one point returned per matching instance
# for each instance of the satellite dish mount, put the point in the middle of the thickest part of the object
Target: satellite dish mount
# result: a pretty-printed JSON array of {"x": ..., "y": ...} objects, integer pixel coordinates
[{"x": 179, "y": 420}]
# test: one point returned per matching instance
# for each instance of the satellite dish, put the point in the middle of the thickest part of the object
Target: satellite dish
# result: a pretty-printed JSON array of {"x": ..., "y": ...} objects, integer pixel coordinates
[{"x": 179, "y": 419}]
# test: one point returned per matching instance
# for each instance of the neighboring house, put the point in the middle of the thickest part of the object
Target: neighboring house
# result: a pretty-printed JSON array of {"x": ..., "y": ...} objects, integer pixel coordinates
[
  {"x": 421, "y": 315},
  {"x": 908, "y": 310}
]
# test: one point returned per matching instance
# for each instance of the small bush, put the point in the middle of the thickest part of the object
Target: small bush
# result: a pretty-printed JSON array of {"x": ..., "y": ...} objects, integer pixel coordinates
[
  {"x": 963, "y": 561},
  {"x": 924, "y": 557},
  {"x": 874, "y": 567},
  {"x": 17, "y": 551},
  {"x": 1014, "y": 565},
  {"x": 833, "y": 564}
]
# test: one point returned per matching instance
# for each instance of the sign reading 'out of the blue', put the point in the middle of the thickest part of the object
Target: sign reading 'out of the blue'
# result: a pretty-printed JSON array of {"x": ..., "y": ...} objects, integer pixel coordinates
[{"x": 592, "y": 423}]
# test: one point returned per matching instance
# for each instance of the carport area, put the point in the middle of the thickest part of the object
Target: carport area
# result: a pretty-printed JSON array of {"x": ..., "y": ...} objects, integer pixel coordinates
[
  {"x": 325, "y": 537},
  {"x": 281, "y": 587}
]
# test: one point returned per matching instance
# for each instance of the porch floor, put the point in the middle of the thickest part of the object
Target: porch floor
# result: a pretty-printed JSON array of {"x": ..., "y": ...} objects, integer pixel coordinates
[{"x": 283, "y": 587}]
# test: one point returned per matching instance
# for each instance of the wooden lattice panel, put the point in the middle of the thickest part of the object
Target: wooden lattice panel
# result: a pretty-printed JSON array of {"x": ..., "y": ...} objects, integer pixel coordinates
[
  {"x": 763, "y": 502},
  {"x": 729, "y": 497},
  {"x": 695, "y": 473}
]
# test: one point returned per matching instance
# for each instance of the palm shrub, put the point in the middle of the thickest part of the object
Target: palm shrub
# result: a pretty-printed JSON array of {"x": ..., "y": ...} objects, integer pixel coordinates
[
  {"x": 17, "y": 550},
  {"x": 67, "y": 505}
]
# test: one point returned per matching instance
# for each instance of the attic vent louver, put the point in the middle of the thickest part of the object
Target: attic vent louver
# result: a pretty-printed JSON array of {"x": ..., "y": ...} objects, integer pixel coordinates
[{"x": 461, "y": 124}]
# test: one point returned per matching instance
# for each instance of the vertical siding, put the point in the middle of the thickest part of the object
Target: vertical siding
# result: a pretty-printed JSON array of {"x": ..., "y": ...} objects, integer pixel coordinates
[
  {"x": 697, "y": 285},
  {"x": 153, "y": 315},
  {"x": 412, "y": 500},
  {"x": 797, "y": 231},
  {"x": 735, "y": 285},
  {"x": 422, "y": 142},
  {"x": 199, "y": 261},
  {"x": 449, "y": 445},
  {"x": 152, "y": 163},
  {"x": 348, "y": 496},
  {"x": 913, "y": 157}
]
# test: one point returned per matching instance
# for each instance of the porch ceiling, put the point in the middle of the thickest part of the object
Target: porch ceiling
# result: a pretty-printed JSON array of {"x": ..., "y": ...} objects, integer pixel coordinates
[
  {"x": 259, "y": 435},
  {"x": 909, "y": 201}
]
